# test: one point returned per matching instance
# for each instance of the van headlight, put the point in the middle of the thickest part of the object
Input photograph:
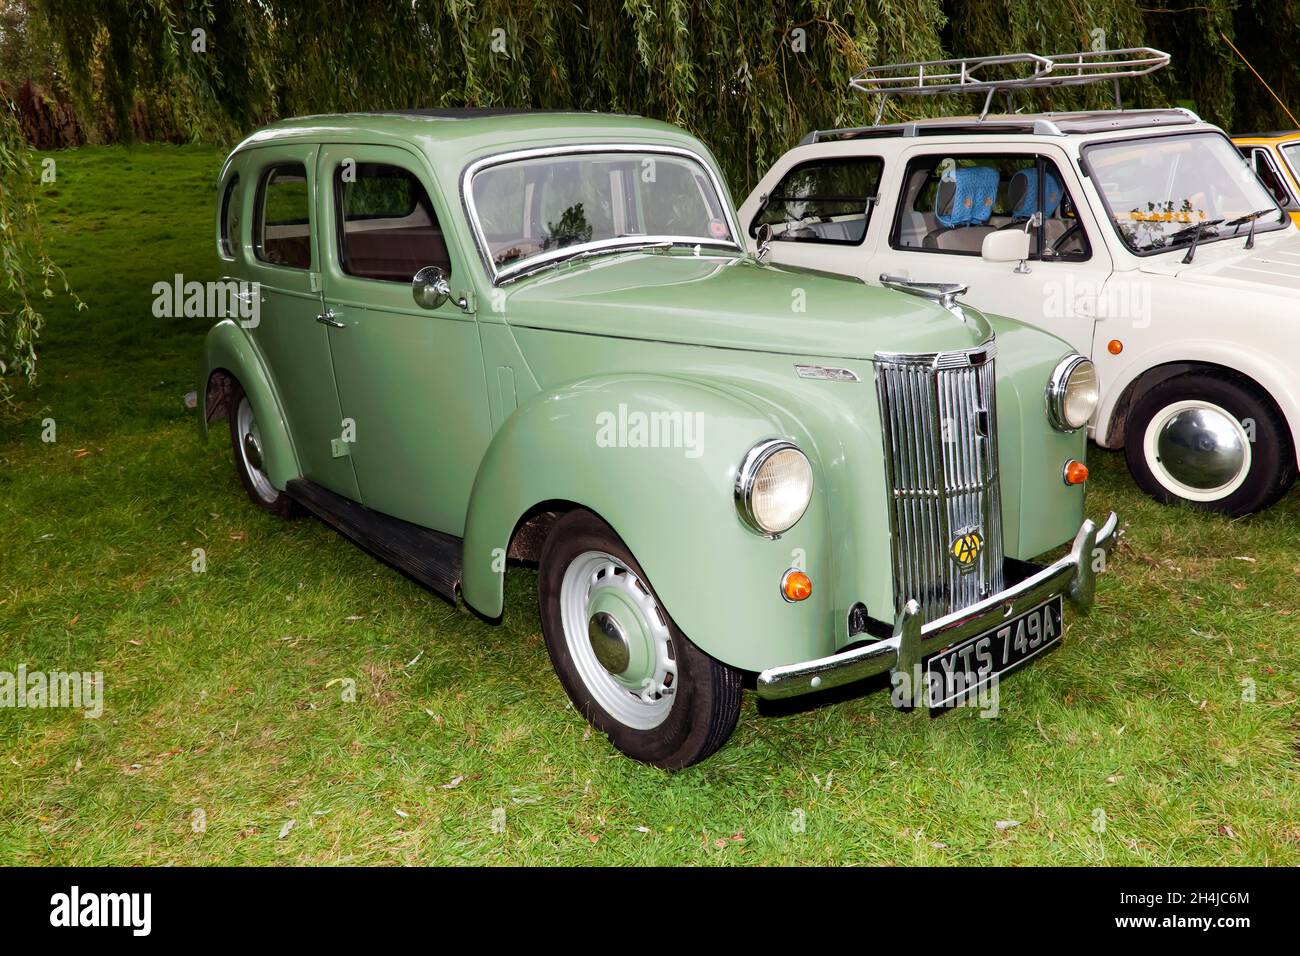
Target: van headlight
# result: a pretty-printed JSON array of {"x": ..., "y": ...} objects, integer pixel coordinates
[
  {"x": 773, "y": 487},
  {"x": 1072, "y": 393}
]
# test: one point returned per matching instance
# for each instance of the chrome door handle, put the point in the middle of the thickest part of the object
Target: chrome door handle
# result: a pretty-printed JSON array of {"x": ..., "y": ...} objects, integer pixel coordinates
[{"x": 330, "y": 317}]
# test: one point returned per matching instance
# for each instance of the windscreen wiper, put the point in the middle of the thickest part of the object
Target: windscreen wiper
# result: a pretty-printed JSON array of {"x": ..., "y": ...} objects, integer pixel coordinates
[
  {"x": 1252, "y": 218},
  {"x": 1195, "y": 232}
]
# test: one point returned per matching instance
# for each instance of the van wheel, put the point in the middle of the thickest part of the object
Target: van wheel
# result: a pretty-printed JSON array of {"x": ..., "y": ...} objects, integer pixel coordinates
[
  {"x": 1211, "y": 440},
  {"x": 620, "y": 657},
  {"x": 246, "y": 443}
]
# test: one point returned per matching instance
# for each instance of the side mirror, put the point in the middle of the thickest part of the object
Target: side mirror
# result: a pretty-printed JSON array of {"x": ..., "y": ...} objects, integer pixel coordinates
[
  {"x": 1006, "y": 245},
  {"x": 763, "y": 237},
  {"x": 430, "y": 287}
]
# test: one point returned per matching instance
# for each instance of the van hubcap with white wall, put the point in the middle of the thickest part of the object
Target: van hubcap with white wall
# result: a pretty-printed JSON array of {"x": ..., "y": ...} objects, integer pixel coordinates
[{"x": 1197, "y": 450}]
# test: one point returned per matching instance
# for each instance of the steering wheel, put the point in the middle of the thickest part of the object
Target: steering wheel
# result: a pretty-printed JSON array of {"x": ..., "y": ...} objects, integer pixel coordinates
[{"x": 1061, "y": 239}]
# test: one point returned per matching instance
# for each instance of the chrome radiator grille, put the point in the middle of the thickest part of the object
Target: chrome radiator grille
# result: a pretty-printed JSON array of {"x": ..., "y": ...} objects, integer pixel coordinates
[{"x": 939, "y": 422}]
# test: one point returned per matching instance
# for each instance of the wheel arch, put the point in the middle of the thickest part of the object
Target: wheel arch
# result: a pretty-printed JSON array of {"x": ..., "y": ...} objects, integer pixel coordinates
[
  {"x": 229, "y": 358},
  {"x": 1112, "y": 423},
  {"x": 676, "y": 514}
]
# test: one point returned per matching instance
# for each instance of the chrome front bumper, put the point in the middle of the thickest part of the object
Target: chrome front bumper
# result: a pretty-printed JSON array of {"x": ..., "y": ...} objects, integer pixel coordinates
[{"x": 1073, "y": 576}]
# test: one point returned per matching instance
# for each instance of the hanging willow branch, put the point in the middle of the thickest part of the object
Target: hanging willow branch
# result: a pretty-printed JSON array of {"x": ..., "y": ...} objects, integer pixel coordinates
[{"x": 30, "y": 275}]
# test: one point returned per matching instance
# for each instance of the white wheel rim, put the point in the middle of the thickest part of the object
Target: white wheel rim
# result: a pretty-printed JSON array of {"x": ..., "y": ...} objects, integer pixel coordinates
[
  {"x": 1227, "y": 450},
  {"x": 596, "y": 583},
  {"x": 249, "y": 446}
]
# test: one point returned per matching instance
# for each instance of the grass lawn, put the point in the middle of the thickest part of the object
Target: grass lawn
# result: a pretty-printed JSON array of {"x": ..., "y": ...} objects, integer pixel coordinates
[{"x": 224, "y": 689}]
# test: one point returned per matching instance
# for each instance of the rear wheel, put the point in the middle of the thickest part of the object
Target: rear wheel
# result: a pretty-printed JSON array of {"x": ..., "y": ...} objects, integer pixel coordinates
[
  {"x": 1212, "y": 440},
  {"x": 246, "y": 443},
  {"x": 620, "y": 657}
]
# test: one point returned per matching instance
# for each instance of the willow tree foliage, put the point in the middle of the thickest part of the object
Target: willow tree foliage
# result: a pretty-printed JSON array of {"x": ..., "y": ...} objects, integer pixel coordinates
[
  {"x": 749, "y": 76},
  {"x": 30, "y": 275}
]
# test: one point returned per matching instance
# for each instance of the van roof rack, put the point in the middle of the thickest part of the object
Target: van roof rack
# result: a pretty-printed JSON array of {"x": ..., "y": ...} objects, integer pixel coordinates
[{"x": 979, "y": 74}]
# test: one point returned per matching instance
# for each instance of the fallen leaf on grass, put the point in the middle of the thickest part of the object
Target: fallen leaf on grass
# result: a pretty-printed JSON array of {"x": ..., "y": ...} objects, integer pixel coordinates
[
  {"x": 1006, "y": 824},
  {"x": 1225, "y": 830},
  {"x": 284, "y": 830},
  {"x": 453, "y": 783},
  {"x": 400, "y": 812}
]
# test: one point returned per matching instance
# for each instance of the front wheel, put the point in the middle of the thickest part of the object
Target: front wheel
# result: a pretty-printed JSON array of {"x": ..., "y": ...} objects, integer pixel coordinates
[
  {"x": 620, "y": 657},
  {"x": 1211, "y": 440}
]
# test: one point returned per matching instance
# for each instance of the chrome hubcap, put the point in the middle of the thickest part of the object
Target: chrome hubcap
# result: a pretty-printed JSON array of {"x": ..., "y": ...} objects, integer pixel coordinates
[
  {"x": 618, "y": 639},
  {"x": 608, "y": 642},
  {"x": 250, "y": 449},
  {"x": 1198, "y": 450}
]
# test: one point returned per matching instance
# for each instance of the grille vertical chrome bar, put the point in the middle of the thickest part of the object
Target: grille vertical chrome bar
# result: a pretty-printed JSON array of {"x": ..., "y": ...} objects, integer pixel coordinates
[{"x": 939, "y": 422}]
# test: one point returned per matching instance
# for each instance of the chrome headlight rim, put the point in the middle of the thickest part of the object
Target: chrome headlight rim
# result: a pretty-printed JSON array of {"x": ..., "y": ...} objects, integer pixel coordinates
[
  {"x": 1058, "y": 385},
  {"x": 753, "y": 462}
]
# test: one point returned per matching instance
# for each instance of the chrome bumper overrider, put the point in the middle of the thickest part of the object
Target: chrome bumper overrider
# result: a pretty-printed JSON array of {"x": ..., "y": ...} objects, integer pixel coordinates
[{"x": 1073, "y": 576}]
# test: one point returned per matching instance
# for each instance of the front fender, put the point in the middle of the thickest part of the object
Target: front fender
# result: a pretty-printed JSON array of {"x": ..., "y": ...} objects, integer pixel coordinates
[
  {"x": 1269, "y": 371},
  {"x": 672, "y": 506},
  {"x": 229, "y": 349}
]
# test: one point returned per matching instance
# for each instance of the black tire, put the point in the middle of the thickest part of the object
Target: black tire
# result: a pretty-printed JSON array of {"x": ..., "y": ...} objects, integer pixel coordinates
[
  {"x": 1272, "y": 465},
  {"x": 259, "y": 489},
  {"x": 706, "y": 702}
]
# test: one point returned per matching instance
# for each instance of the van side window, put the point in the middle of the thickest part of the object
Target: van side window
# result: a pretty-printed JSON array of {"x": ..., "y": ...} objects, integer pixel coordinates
[
  {"x": 230, "y": 202},
  {"x": 282, "y": 233},
  {"x": 951, "y": 203},
  {"x": 825, "y": 200},
  {"x": 387, "y": 227}
]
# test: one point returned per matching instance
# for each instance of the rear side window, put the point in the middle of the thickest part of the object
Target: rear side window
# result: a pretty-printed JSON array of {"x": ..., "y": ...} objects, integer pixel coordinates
[
  {"x": 388, "y": 229},
  {"x": 230, "y": 202},
  {"x": 826, "y": 200},
  {"x": 282, "y": 234}
]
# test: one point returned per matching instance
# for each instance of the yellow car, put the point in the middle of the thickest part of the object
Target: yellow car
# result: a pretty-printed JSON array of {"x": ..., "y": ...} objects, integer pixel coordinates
[{"x": 1275, "y": 157}]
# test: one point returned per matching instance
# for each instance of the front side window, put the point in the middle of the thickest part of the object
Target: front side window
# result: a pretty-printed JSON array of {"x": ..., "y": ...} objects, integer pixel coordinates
[
  {"x": 951, "y": 203},
  {"x": 541, "y": 208},
  {"x": 1164, "y": 192},
  {"x": 387, "y": 227},
  {"x": 230, "y": 201},
  {"x": 282, "y": 234},
  {"x": 826, "y": 200}
]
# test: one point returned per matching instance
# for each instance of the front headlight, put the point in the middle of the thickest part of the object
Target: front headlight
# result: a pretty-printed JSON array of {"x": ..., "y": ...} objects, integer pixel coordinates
[
  {"x": 773, "y": 487},
  {"x": 1072, "y": 393}
]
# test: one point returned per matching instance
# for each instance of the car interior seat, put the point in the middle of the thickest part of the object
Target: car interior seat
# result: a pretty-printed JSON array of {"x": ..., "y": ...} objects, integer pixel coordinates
[{"x": 963, "y": 204}]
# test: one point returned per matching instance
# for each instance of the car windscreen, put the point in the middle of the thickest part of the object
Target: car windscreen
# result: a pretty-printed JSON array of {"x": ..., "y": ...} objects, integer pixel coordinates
[
  {"x": 545, "y": 207},
  {"x": 1158, "y": 190}
]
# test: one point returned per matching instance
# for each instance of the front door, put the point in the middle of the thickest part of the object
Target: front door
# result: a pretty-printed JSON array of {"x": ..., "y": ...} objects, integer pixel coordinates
[
  {"x": 410, "y": 379},
  {"x": 286, "y": 263},
  {"x": 949, "y": 200}
]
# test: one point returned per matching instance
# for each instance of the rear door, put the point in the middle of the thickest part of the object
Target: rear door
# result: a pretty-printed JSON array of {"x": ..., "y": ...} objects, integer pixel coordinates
[
  {"x": 410, "y": 379},
  {"x": 285, "y": 261}
]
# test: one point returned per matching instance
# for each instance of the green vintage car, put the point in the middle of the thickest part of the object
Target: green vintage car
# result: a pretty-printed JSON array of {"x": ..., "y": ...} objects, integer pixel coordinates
[{"x": 468, "y": 337}]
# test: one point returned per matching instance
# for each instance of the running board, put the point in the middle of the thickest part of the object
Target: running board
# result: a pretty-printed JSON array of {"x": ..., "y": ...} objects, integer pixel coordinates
[{"x": 430, "y": 557}]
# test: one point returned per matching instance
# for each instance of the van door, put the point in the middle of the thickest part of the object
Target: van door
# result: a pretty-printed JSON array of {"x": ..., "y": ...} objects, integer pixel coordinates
[
  {"x": 285, "y": 262},
  {"x": 411, "y": 380},
  {"x": 951, "y": 198}
]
